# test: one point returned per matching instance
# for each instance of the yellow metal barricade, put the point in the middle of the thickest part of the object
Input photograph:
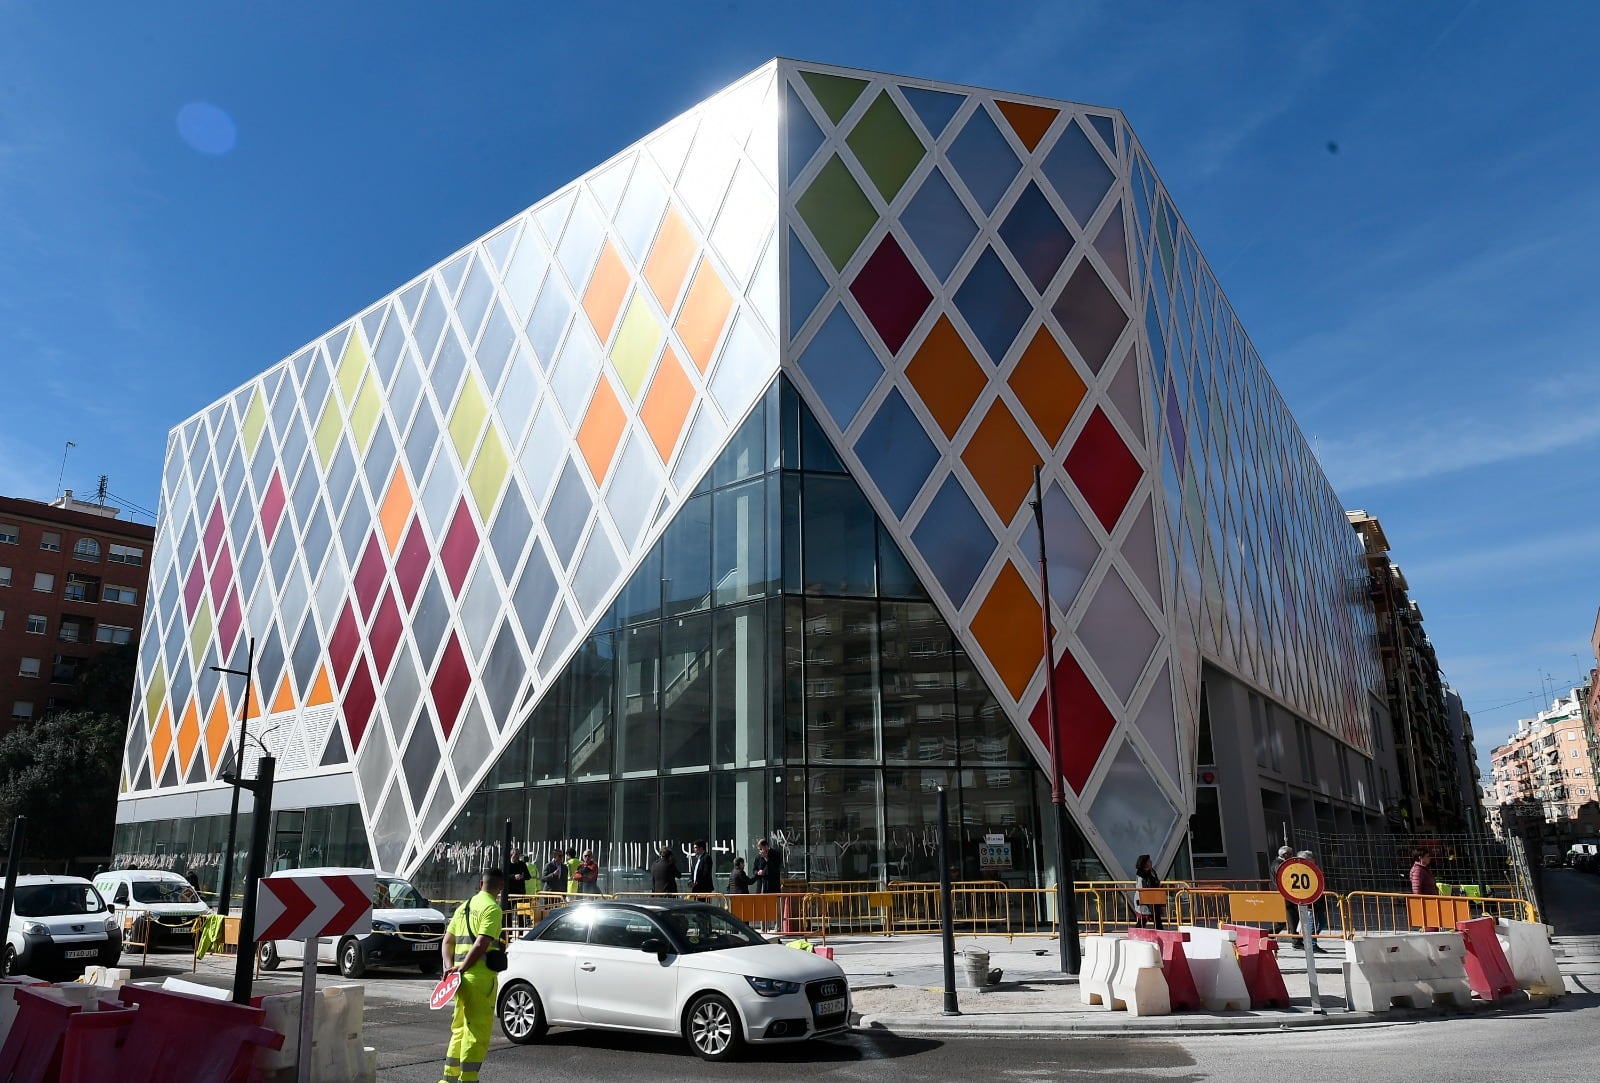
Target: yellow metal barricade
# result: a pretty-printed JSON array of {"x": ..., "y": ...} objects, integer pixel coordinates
[{"x": 1387, "y": 912}]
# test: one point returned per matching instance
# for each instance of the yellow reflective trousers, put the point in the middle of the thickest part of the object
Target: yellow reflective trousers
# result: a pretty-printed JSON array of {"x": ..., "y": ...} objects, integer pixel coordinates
[{"x": 471, "y": 1026}]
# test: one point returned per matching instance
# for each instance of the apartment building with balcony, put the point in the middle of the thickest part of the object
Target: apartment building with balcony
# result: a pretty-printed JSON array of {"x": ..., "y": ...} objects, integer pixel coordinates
[
  {"x": 72, "y": 583},
  {"x": 1435, "y": 792},
  {"x": 1547, "y": 765}
]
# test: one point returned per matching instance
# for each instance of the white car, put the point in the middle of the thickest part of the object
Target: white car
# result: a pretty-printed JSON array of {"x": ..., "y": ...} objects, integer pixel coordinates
[
  {"x": 59, "y": 926},
  {"x": 667, "y": 967},
  {"x": 406, "y": 931}
]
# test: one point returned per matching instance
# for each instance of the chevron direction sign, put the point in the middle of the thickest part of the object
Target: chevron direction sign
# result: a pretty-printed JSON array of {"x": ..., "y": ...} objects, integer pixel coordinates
[{"x": 309, "y": 903}]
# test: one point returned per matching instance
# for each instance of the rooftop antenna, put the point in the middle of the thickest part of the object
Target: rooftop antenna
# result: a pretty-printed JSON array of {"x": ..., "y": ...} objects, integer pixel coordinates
[
  {"x": 100, "y": 492},
  {"x": 63, "y": 474}
]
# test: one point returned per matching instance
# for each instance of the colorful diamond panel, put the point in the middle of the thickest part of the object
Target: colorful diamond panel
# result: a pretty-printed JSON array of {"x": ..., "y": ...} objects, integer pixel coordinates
[{"x": 380, "y": 511}]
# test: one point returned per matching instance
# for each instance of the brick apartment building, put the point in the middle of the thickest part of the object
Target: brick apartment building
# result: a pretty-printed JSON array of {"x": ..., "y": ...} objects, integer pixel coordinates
[{"x": 72, "y": 583}]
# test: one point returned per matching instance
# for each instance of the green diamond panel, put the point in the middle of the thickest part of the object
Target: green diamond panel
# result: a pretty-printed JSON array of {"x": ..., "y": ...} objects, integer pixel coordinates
[
  {"x": 838, "y": 212},
  {"x": 835, "y": 93},
  {"x": 886, "y": 146}
]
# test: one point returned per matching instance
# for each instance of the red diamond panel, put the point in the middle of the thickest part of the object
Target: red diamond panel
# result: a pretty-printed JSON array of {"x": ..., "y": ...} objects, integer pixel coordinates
[
  {"x": 221, "y": 576},
  {"x": 342, "y": 646},
  {"x": 195, "y": 588},
  {"x": 1103, "y": 469},
  {"x": 214, "y": 527},
  {"x": 385, "y": 634},
  {"x": 359, "y": 699},
  {"x": 450, "y": 685},
  {"x": 891, "y": 293},
  {"x": 460, "y": 546},
  {"x": 369, "y": 576},
  {"x": 411, "y": 566},
  {"x": 229, "y": 622},
  {"x": 1082, "y": 719},
  {"x": 272, "y": 507}
]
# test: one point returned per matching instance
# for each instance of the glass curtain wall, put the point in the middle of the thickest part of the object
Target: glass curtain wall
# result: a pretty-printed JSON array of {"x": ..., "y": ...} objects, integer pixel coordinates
[{"x": 773, "y": 669}]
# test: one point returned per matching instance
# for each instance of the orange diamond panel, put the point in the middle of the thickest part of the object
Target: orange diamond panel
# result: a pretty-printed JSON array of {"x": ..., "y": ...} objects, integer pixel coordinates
[
  {"x": 1047, "y": 385},
  {"x": 321, "y": 689},
  {"x": 217, "y": 731},
  {"x": 669, "y": 260},
  {"x": 1007, "y": 628},
  {"x": 1030, "y": 122},
  {"x": 947, "y": 377},
  {"x": 188, "y": 735},
  {"x": 1001, "y": 458},
  {"x": 284, "y": 701},
  {"x": 601, "y": 430},
  {"x": 396, "y": 509},
  {"x": 667, "y": 404},
  {"x": 603, "y": 299},
  {"x": 705, "y": 310},
  {"x": 161, "y": 740}
]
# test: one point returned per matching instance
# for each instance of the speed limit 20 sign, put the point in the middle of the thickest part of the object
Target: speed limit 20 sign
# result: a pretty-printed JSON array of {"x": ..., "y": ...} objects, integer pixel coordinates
[{"x": 1300, "y": 880}]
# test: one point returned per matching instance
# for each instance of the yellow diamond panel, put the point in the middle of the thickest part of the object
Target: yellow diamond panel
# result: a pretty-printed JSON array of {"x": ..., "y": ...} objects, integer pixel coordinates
[
  {"x": 352, "y": 366},
  {"x": 466, "y": 420},
  {"x": 328, "y": 432},
  {"x": 488, "y": 473},
  {"x": 255, "y": 416},
  {"x": 364, "y": 415},
  {"x": 200, "y": 633},
  {"x": 636, "y": 347},
  {"x": 154, "y": 694}
]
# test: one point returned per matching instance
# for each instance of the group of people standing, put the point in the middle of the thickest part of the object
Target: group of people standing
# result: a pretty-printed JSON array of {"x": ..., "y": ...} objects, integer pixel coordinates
[
  {"x": 766, "y": 876},
  {"x": 564, "y": 872}
]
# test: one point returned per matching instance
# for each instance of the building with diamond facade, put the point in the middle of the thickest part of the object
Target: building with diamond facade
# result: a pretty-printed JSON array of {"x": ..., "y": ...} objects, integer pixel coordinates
[{"x": 693, "y": 502}]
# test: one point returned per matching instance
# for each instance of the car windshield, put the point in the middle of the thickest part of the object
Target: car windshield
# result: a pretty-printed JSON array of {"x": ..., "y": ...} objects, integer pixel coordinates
[
  {"x": 709, "y": 929},
  {"x": 393, "y": 893},
  {"x": 164, "y": 891},
  {"x": 50, "y": 900}
]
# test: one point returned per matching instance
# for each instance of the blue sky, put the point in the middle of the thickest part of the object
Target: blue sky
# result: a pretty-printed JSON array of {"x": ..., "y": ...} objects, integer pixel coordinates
[{"x": 1397, "y": 199}]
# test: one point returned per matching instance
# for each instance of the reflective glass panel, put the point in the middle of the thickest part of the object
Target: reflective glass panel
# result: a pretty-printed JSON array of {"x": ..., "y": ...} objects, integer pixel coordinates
[
  {"x": 841, "y": 681},
  {"x": 686, "y": 699},
  {"x": 840, "y": 537}
]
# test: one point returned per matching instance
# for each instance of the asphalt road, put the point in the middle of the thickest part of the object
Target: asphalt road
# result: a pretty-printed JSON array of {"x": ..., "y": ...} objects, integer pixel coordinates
[
  {"x": 1572, "y": 901},
  {"x": 1550, "y": 1045}
]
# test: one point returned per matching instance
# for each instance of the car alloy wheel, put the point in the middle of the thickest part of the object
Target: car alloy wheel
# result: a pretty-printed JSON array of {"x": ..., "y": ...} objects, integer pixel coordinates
[
  {"x": 521, "y": 1014},
  {"x": 713, "y": 1027},
  {"x": 352, "y": 963},
  {"x": 267, "y": 955}
]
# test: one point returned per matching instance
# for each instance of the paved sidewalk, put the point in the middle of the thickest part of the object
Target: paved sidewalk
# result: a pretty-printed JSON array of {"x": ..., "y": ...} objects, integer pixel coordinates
[{"x": 898, "y": 986}]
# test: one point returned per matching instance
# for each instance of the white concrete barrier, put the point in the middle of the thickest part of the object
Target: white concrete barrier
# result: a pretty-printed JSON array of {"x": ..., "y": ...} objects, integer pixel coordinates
[
  {"x": 1139, "y": 986},
  {"x": 1214, "y": 962},
  {"x": 337, "y": 1052},
  {"x": 1532, "y": 959},
  {"x": 1097, "y": 967},
  {"x": 1409, "y": 970}
]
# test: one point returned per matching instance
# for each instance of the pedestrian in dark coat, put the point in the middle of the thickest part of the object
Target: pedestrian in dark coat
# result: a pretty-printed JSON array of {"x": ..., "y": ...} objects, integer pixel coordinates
[
  {"x": 739, "y": 880},
  {"x": 768, "y": 869},
  {"x": 702, "y": 870},
  {"x": 664, "y": 872}
]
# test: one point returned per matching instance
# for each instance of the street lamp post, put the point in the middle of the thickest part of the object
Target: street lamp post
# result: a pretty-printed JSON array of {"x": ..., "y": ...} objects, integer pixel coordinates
[
  {"x": 1066, "y": 901},
  {"x": 225, "y": 891}
]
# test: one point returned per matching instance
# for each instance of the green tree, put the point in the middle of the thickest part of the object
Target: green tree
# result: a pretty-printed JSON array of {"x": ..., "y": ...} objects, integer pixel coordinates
[{"x": 63, "y": 771}]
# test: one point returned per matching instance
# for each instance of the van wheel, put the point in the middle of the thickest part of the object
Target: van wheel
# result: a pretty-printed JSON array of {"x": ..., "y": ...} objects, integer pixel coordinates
[
  {"x": 352, "y": 960},
  {"x": 8, "y": 965},
  {"x": 432, "y": 966},
  {"x": 267, "y": 955}
]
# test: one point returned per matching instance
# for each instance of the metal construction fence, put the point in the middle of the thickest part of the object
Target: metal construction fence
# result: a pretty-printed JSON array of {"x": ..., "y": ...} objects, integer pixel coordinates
[
  {"x": 1381, "y": 862},
  {"x": 989, "y": 909}
]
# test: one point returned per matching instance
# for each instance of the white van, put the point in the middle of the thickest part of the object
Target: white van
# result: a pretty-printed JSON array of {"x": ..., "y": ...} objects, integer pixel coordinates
[
  {"x": 406, "y": 931},
  {"x": 163, "y": 900},
  {"x": 59, "y": 927}
]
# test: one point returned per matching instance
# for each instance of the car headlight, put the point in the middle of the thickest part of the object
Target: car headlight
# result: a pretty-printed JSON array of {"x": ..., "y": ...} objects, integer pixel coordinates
[
  {"x": 34, "y": 928},
  {"x": 772, "y": 987},
  {"x": 383, "y": 926},
  {"x": 112, "y": 924}
]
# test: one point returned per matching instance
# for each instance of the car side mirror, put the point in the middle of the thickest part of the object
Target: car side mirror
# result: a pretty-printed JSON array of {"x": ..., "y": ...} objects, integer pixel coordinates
[
  {"x": 121, "y": 897},
  {"x": 655, "y": 946}
]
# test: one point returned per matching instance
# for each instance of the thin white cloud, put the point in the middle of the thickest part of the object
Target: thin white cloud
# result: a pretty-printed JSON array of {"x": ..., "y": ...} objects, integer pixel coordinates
[
  {"x": 1544, "y": 550},
  {"x": 1447, "y": 443}
]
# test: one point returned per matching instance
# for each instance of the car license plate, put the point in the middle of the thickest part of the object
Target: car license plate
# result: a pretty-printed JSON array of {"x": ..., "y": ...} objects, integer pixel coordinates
[
  {"x": 424, "y": 947},
  {"x": 830, "y": 1007},
  {"x": 82, "y": 953}
]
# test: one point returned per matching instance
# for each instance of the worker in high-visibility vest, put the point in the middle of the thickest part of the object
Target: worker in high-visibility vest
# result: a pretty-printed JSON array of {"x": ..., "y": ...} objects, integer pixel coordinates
[{"x": 474, "y": 929}]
